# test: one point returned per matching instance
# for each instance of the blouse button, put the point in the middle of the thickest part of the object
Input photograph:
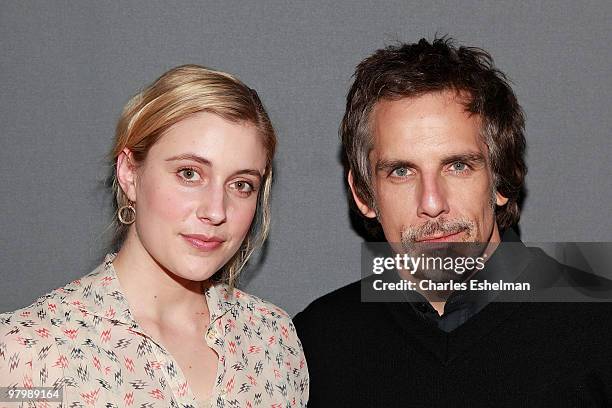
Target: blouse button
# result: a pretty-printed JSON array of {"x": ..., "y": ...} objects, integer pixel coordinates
[{"x": 212, "y": 333}]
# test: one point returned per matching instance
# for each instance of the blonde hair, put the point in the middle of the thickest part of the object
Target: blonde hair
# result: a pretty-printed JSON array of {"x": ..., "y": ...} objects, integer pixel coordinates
[{"x": 178, "y": 93}]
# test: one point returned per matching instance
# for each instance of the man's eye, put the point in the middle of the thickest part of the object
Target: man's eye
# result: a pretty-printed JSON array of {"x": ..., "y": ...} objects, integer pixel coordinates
[
  {"x": 400, "y": 172},
  {"x": 189, "y": 174},
  {"x": 459, "y": 166}
]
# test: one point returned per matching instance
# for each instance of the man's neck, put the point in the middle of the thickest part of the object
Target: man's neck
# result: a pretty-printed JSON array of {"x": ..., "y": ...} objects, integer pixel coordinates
[{"x": 492, "y": 245}]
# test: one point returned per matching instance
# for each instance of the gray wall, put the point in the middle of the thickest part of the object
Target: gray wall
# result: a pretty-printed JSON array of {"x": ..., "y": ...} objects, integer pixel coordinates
[{"x": 69, "y": 67}]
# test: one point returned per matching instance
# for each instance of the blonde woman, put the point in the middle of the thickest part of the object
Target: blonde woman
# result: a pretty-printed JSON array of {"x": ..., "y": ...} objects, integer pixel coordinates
[{"x": 160, "y": 323}]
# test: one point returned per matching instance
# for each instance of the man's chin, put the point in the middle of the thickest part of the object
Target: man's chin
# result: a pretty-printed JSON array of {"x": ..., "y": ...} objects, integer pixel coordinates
[
  {"x": 444, "y": 249},
  {"x": 440, "y": 276}
]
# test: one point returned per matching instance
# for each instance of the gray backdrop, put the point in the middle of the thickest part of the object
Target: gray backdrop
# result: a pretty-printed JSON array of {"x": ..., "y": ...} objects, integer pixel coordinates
[{"x": 69, "y": 67}]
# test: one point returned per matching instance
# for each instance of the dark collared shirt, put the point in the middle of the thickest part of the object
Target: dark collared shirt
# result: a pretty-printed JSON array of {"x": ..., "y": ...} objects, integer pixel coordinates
[{"x": 506, "y": 263}]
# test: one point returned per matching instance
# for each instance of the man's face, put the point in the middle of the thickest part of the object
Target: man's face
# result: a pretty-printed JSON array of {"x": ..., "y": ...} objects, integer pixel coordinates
[{"x": 431, "y": 174}]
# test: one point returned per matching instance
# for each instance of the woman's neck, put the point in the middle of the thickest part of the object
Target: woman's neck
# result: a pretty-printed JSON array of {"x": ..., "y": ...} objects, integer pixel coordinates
[{"x": 153, "y": 292}]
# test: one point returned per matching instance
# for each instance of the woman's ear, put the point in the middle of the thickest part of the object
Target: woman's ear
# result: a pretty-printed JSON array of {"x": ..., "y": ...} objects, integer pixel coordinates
[
  {"x": 126, "y": 174},
  {"x": 363, "y": 207}
]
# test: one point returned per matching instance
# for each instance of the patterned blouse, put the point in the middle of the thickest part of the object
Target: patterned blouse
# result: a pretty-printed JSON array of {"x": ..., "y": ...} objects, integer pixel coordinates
[{"x": 83, "y": 340}]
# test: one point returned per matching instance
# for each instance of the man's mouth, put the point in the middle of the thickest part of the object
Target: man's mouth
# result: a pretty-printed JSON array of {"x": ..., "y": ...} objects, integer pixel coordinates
[{"x": 443, "y": 237}]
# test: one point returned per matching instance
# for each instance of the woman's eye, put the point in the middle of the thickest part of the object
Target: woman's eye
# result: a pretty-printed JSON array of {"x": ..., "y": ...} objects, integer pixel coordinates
[
  {"x": 400, "y": 172},
  {"x": 189, "y": 174},
  {"x": 243, "y": 187}
]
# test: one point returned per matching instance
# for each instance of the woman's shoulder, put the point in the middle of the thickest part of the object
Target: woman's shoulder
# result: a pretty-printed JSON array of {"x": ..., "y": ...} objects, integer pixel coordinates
[
  {"x": 39, "y": 320},
  {"x": 263, "y": 327},
  {"x": 28, "y": 339},
  {"x": 33, "y": 315},
  {"x": 48, "y": 306},
  {"x": 262, "y": 343},
  {"x": 253, "y": 305},
  {"x": 260, "y": 319},
  {"x": 33, "y": 338}
]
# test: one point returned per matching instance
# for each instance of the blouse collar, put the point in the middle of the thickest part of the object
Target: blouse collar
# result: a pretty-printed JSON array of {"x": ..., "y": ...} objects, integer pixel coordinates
[{"x": 99, "y": 294}]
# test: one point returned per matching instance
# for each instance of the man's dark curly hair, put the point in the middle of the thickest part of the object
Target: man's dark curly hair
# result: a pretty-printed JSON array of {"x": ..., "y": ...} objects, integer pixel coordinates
[{"x": 412, "y": 70}]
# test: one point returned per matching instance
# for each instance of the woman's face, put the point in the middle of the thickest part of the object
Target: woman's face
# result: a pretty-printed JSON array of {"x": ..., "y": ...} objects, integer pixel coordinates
[{"x": 196, "y": 193}]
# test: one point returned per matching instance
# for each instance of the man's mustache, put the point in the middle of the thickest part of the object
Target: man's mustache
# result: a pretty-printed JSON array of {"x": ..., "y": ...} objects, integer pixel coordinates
[{"x": 436, "y": 227}]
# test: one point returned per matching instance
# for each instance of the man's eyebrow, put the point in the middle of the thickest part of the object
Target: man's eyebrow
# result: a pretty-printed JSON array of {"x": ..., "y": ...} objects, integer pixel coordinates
[
  {"x": 472, "y": 158},
  {"x": 206, "y": 162},
  {"x": 388, "y": 165}
]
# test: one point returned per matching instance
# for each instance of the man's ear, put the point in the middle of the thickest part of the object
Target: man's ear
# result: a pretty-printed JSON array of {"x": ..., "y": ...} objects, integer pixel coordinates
[
  {"x": 126, "y": 174},
  {"x": 363, "y": 207},
  {"x": 500, "y": 199}
]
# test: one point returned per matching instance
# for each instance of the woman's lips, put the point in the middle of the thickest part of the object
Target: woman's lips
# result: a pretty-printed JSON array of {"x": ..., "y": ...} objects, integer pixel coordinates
[{"x": 203, "y": 242}]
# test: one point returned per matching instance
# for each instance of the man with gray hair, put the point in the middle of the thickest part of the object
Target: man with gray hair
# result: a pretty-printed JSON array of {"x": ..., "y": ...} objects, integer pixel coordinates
[{"x": 434, "y": 144}]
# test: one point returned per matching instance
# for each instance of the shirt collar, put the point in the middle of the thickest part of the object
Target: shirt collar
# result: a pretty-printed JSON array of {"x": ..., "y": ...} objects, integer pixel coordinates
[
  {"x": 99, "y": 293},
  {"x": 506, "y": 263}
]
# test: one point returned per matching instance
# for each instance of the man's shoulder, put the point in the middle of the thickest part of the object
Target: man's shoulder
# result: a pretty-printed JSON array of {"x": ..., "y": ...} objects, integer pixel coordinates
[
  {"x": 568, "y": 296},
  {"x": 345, "y": 297},
  {"x": 551, "y": 273},
  {"x": 341, "y": 308}
]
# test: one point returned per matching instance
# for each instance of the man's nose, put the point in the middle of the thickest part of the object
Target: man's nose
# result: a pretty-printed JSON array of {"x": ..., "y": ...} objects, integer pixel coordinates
[
  {"x": 212, "y": 208},
  {"x": 432, "y": 197}
]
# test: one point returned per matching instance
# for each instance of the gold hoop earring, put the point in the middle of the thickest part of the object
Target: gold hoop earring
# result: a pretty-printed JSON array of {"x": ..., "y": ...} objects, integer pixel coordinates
[{"x": 130, "y": 208}]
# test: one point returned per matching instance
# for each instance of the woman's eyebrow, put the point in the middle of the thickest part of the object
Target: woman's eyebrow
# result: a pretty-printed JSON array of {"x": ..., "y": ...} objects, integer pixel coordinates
[
  {"x": 206, "y": 162},
  {"x": 251, "y": 172},
  {"x": 190, "y": 156}
]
